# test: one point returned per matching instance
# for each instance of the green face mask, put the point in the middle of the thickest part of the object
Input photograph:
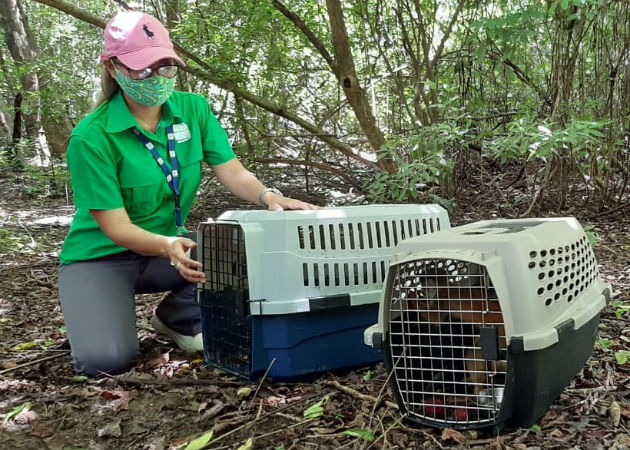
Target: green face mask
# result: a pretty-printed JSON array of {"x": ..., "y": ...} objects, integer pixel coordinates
[{"x": 152, "y": 91}]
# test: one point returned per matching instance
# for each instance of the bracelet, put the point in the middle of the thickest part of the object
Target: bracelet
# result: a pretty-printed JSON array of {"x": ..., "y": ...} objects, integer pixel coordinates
[{"x": 262, "y": 193}]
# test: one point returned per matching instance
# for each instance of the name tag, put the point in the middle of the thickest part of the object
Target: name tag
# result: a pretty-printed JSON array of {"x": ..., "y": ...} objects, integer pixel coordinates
[{"x": 181, "y": 132}]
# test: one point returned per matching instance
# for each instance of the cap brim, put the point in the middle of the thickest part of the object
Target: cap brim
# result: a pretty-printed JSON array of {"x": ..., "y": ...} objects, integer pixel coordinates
[{"x": 146, "y": 57}]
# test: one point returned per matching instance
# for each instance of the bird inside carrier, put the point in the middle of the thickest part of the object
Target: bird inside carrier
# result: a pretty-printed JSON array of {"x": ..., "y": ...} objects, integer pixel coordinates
[
  {"x": 483, "y": 325},
  {"x": 290, "y": 292}
]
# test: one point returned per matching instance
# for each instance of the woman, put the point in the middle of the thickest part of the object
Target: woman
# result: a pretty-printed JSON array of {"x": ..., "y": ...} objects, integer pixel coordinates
[{"x": 135, "y": 164}]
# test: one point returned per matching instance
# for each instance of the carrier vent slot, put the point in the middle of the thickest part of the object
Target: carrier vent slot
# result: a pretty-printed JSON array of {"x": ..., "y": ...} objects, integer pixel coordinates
[
  {"x": 562, "y": 273},
  {"x": 447, "y": 341}
]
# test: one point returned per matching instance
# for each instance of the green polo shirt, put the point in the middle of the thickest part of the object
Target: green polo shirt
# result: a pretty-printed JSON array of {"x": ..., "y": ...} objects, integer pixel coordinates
[{"x": 110, "y": 168}]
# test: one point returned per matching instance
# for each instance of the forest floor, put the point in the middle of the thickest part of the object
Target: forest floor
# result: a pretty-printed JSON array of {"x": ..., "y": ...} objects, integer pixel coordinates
[{"x": 171, "y": 398}]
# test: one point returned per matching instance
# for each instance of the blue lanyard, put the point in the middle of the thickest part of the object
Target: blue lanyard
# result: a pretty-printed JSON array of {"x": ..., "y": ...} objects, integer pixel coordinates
[{"x": 172, "y": 174}]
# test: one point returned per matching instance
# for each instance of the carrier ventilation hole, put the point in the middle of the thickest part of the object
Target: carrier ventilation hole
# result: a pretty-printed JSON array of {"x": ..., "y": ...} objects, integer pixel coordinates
[
  {"x": 574, "y": 260},
  {"x": 362, "y": 235}
]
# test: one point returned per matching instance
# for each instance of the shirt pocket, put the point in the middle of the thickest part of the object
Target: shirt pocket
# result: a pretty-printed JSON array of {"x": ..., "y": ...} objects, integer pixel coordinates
[{"x": 141, "y": 200}]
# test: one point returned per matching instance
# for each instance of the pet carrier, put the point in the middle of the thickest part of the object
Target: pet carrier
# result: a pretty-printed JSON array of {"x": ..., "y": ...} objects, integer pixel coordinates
[
  {"x": 483, "y": 325},
  {"x": 292, "y": 291}
]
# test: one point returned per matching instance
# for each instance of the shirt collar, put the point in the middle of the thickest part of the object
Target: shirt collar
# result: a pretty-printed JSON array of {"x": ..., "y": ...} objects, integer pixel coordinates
[{"x": 119, "y": 118}]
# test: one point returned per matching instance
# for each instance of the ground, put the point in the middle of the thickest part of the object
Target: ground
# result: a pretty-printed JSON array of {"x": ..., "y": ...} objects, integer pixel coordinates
[{"x": 170, "y": 398}]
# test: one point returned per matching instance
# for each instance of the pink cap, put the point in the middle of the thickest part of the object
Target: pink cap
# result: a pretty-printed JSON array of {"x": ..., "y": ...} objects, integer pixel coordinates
[{"x": 138, "y": 40}]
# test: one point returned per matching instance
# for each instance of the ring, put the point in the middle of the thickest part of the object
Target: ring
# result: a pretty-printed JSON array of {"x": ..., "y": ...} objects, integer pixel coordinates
[{"x": 179, "y": 264}]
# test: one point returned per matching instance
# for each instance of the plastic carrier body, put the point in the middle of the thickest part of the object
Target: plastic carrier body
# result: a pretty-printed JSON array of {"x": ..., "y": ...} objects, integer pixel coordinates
[
  {"x": 485, "y": 324},
  {"x": 290, "y": 292}
]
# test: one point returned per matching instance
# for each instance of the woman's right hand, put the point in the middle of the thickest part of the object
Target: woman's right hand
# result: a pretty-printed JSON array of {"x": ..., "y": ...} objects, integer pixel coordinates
[{"x": 178, "y": 251}]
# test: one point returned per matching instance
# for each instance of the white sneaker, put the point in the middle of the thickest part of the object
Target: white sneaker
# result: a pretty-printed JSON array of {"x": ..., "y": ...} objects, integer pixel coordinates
[{"x": 186, "y": 343}]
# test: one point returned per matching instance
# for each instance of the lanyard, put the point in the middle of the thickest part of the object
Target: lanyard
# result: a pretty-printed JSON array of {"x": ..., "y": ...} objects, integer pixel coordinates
[{"x": 172, "y": 174}]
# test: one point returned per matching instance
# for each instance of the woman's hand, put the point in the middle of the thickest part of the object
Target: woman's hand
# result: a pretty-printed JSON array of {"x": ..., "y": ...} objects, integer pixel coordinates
[
  {"x": 178, "y": 251},
  {"x": 277, "y": 202}
]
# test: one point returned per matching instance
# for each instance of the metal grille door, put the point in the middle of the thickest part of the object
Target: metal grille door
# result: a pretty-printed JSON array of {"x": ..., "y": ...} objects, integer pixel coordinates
[
  {"x": 224, "y": 299},
  {"x": 447, "y": 342}
]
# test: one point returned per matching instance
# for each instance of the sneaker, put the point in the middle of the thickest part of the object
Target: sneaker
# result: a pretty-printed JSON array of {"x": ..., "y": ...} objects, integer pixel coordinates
[{"x": 186, "y": 343}]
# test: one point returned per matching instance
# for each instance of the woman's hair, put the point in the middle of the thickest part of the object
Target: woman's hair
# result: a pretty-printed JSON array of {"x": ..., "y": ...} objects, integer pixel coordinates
[{"x": 109, "y": 87}]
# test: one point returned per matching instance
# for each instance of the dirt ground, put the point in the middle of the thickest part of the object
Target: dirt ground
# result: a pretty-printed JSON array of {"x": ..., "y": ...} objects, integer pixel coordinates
[{"x": 171, "y": 398}]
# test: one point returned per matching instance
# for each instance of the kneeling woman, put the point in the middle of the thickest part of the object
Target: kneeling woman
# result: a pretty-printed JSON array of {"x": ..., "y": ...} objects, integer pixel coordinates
[{"x": 135, "y": 164}]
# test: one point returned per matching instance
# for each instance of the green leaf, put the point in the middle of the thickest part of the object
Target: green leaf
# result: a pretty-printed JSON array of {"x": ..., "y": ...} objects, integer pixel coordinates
[
  {"x": 200, "y": 442},
  {"x": 564, "y": 4},
  {"x": 535, "y": 427},
  {"x": 367, "y": 376},
  {"x": 244, "y": 391},
  {"x": 316, "y": 410},
  {"x": 360, "y": 433},
  {"x": 63, "y": 329},
  {"x": 622, "y": 356},
  {"x": 25, "y": 345},
  {"x": 247, "y": 445},
  {"x": 17, "y": 410},
  {"x": 79, "y": 378}
]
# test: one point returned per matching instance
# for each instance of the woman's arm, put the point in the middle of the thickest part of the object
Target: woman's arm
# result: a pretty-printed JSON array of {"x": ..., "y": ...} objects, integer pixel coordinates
[
  {"x": 116, "y": 224},
  {"x": 242, "y": 183}
]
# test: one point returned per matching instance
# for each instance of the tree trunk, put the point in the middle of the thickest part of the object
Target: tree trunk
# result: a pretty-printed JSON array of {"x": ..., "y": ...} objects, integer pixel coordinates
[
  {"x": 21, "y": 45},
  {"x": 345, "y": 72}
]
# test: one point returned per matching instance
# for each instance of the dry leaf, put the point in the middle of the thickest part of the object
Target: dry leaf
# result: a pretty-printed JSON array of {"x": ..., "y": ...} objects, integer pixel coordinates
[
  {"x": 449, "y": 433},
  {"x": 614, "y": 414},
  {"x": 111, "y": 429},
  {"x": 160, "y": 360},
  {"x": 25, "y": 417},
  {"x": 55, "y": 442}
]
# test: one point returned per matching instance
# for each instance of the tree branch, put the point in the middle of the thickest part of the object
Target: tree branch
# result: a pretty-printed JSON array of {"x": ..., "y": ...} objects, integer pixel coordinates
[
  {"x": 325, "y": 167},
  {"x": 298, "y": 22},
  {"x": 229, "y": 85}
]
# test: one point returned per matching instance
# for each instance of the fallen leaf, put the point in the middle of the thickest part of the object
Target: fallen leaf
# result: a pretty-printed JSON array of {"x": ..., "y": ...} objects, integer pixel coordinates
[
  {"x": 247, "y": 445},
  {"x": 157, "y": 444},
  {"x": 201, "y": 442},
  {"x": 450, "y": 434},
  {"x": 25, "y": 345},
  {"x": 111, "y": 429},
  {"x": 244, "y": 391},
  {"x": 26, "y": 406},
  {"x": 26, "y": 417},
  {"x": 614, "y": 414},
  {"x": 360, "y": 433},
  {"x": 55, "y": 442},
  {"x": 160, "y": 360}
]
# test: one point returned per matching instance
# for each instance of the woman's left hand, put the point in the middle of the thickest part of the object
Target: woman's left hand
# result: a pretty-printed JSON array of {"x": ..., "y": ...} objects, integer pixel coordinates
[{"x": 277, "y": 202}]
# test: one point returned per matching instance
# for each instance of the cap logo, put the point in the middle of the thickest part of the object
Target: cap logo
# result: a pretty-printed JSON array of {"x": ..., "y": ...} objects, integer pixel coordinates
[{"x": 148, "y": 32}]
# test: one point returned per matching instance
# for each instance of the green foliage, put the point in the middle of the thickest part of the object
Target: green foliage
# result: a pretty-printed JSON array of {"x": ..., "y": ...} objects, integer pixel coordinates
[
  {"x": 316, "y": 410},
  {"x": 422, "y": 160},
  {"x": 622, "y": 357},
  {"x": 359, "y": 433},
  {"x": 200, "y": 442},
  {"x": 530, "y": 139},
  {"x": 621, "y": 308}
]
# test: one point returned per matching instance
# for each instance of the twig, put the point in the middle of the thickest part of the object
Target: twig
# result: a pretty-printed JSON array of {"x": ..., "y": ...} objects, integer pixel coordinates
[
  {"x": 183, "y": 382},
  {"x": 30, "y": 363},
  {"x": 357, "y": 394},
  {"x": 592, "y": 389},
  {"x": 262, "y": 380},
  {"x": 382, "y": 436},
  {"x": 380, "y": 393},
  {"x": 257, "y": 419},
  {"x": 272, "y": 432}
]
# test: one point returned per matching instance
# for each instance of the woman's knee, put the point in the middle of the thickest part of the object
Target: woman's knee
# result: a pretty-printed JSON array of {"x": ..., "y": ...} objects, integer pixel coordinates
[{"x": 112, "y": 360}]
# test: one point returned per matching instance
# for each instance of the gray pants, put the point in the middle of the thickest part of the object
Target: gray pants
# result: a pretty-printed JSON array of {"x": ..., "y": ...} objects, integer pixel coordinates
[{"x": 98, "y": 304}]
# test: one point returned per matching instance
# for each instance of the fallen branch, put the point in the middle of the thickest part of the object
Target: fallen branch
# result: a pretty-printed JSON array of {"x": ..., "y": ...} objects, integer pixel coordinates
[
  {"x": 30, "y": 363},
  {"x": 357, "y": 394},
  {"x": 176, "y": 382}
]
